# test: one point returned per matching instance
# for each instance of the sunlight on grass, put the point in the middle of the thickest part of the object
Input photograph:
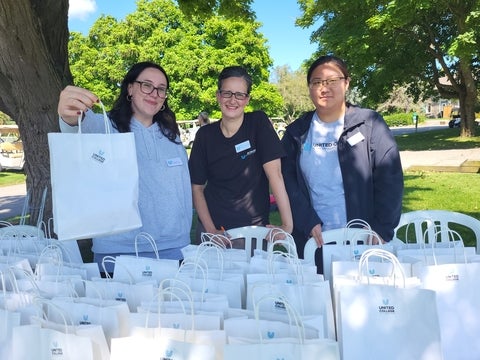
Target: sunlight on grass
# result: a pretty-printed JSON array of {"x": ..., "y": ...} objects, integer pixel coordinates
[
  {"x": 445, "y": 191},
  {"x": 443, "y": 139},
  {"x": 11, "y": 178}
]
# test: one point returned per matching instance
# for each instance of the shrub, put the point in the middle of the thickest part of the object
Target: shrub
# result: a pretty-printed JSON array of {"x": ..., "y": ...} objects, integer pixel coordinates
[{"x": 402, "y": 119}]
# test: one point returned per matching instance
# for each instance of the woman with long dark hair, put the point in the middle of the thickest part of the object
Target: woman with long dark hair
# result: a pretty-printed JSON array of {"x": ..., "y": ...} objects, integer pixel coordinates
[{"x": 165, "y": 199}]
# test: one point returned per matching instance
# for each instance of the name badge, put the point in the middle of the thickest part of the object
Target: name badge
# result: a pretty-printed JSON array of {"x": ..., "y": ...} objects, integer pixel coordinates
[
  {"x": 174, "y": 162},
  {"x": 355, "y": 139},
  {"x": 242, "y": 146}
]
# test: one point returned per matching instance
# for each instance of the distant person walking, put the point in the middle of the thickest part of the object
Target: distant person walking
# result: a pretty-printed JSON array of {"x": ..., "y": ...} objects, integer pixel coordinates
[{"x": 203, "y": 119}]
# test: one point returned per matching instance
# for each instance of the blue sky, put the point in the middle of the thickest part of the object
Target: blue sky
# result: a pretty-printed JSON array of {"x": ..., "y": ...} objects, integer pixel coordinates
[{"x": 288, "y": 44}]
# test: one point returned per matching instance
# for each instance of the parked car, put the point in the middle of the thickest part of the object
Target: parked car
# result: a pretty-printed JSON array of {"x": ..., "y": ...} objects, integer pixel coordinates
[
  {"x": 455, "y": 118},
  {"x": 12, "y": 156},
  {"x": 188, "y": 130}
]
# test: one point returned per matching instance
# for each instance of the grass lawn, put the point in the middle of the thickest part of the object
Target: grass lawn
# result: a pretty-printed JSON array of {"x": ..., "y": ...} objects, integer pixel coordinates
[
  {"x": 443, "y": 139},
  {"x": 11, "y": 178}
]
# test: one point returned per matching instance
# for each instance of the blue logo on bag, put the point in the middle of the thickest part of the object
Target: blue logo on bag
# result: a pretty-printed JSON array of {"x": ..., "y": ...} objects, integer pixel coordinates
[
  {"x": 452, "y": 276},
  {"x": 55, "y": 349},
  {"x": 147, "y": 271},
  {"x": 270, "y": 334},
  {"x": 99, "y": 156},
  {"x": 356, "y": 254},
  {"x": 168, "y": 355},
  {"x": 120, "y": 297},
  {"x": 386, "y": 308},
  {"x": 279, "y": 305},
  {"x": 85, "y": 320},
  {"x": 176, "y": 326}
]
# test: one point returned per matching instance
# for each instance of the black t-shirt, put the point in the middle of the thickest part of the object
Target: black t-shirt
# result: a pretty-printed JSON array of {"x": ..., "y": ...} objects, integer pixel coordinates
[{"x": 237, "y": 191}]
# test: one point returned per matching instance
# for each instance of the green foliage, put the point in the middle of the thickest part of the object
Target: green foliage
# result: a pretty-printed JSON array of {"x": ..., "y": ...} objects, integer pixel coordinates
[
  {"x": 192, "y": 50},
  {"x": 402, "y": 43},
  {"x": 5, "y": 119},
  {"x": 401, "y": 119},
  {"x": 293, "y": 87},
  {"x": 208, "y": 8}
]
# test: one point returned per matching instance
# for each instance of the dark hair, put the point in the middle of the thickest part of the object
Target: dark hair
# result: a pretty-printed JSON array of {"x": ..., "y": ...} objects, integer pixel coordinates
[
  {"x": 235, "y": 71},
  {"x": 327, "y": 59},
  {"x": 121, "y": 112}
]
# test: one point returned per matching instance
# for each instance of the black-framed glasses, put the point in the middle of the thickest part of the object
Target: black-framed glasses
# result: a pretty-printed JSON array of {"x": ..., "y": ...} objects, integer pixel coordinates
[
  {"x": 147, "y": 89},
  {"x": 226, "y": 94},
  {"x": 330, "y": 83}
]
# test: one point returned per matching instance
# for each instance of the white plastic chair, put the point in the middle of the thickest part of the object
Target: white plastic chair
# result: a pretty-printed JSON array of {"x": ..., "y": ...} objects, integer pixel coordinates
[
  {"x": 426, "y": 224},
  {"x": 28, "y": 207},
  {"x": 22, "y": 231},
  {"x": 334, "y": 235},
  {"x": 254, "y": 237}
]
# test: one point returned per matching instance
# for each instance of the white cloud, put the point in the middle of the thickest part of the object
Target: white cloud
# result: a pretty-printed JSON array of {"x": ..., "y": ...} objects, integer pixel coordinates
[{"x": 81, "y": 9}]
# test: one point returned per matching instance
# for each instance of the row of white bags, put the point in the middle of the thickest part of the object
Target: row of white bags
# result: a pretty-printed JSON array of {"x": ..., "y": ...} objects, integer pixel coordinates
[
  {"x": 434, "y": 311},
  {"x": 69, "y": 320}
]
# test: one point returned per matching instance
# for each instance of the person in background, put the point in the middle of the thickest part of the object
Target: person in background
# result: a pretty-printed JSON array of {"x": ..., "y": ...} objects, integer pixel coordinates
[
  {"x": 165, "y": 198},
  {"x": 342, "y": 161},
  {"x": 203, "y": 119},
  {"x": 234, "y": 161}
]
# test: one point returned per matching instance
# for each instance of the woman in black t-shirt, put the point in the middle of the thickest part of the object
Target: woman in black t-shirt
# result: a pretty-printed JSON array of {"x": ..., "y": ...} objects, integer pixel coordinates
[{"x": 234, "y": 161}]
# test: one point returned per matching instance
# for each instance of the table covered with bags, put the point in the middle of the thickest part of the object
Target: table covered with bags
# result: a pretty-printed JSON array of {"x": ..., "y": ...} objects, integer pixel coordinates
[{"x": 393, "y": 301}]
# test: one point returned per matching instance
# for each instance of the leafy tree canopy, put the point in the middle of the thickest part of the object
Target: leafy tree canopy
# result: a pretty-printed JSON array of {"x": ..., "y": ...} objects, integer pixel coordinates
[
  {"x": 227, "y": 8},
  {"x": 193, "y": 51},
  {"x": 422, "y": 45},
  {"x": 292, "y": 85}
]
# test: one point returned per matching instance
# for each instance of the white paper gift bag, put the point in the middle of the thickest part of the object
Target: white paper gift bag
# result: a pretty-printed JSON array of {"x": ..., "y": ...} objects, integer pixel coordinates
[
  {"x": 112, "y": 315},
  {"x": 34, "y": 342},
  {"x": 95, "y": 333},
  {"x": 457, "y": 287},
  {"x": 350, "y": 247},
  {"x": 134, "y": 268},
  {"x": 8, "y": 320},
  {"x": 377, "y": 321},
  {"x": 94, "y": 183},
  {"x": 270, "y": 342},
  {"x": 145, "y": 348},
  {"x": 132, "y": 294}
]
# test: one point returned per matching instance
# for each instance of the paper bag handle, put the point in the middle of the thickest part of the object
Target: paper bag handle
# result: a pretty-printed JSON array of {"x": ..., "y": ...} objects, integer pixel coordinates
[{"x": 105, "y": 119}]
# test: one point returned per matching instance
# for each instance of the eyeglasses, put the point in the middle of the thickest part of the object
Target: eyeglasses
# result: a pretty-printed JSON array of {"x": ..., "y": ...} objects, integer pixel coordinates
[
  {"x": 228, "y": 94},
  {"x": 330, "y": 83},
  {"x": 148, "y": 88}
]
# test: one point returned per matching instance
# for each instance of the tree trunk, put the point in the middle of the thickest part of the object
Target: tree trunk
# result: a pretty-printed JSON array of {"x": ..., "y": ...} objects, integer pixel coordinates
[
  {"x": 467, "y": 99},
  {"x": 33, "y": 70}
]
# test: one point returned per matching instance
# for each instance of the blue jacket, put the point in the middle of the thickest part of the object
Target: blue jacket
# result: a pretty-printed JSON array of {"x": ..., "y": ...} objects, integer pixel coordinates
[{"x": 371, "y": 170}]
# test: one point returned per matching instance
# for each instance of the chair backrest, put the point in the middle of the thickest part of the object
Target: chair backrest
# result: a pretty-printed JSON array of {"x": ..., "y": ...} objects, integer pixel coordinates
[
  {"x": 22, "y": 231},
  {"x": 426, "y": 224},
  {"x": 254, "y": 238},
  {"x": 330, "y": 236}
]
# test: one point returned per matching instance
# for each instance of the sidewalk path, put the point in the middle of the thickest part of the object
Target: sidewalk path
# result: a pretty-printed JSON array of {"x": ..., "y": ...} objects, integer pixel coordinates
[
  {"x": 439, "y": 158},
  {"x": 11, "y": 200}
]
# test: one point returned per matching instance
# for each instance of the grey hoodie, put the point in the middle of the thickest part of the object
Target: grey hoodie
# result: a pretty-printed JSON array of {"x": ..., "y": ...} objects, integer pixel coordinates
[{"x": 165, "y": 195}]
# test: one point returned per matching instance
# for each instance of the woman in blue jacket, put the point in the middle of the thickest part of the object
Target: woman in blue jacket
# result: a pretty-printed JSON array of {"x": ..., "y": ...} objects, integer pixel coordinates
[{"x": 342, "y": 161}]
